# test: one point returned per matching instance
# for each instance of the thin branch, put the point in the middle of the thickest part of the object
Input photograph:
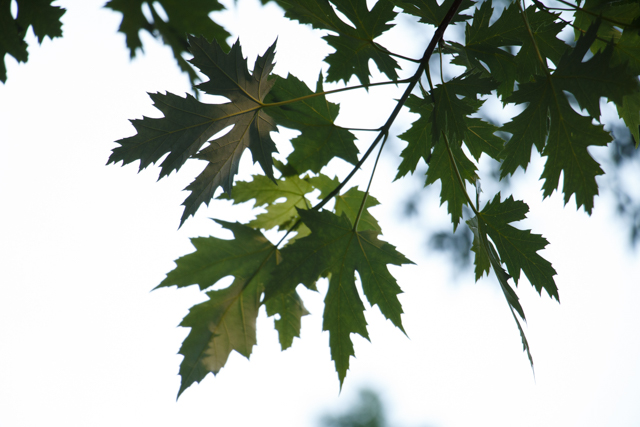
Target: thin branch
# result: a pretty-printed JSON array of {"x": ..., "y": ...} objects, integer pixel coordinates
[
  {"x": 424, "y": 62},
  {"x": 366, "y": 193},
  {"x": 384, "y": 130},
  {"x": 329, "y": 92}
]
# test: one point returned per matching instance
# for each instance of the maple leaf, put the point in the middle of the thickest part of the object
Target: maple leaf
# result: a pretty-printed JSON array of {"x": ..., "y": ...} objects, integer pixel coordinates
[
  {"x": 518, "y": 248},
  {"x": 430, "y": 12},
  {"x": 39, "y": 15},
  {"x": 629, "y": 111},
  {"x": 418, "y": 137},
  {"x": 290, "y": 309},
  {"x": 355, "y": 44},
  {"x": 479, "y": 137},
  {"x": 486, "y": 44},
  {"x": 561, "y": 134},
  {"x": 320, "y": 139},
  {"x": 349, "y": 203},
  {"x": 227, "y": 321},
  {"x": 611, "y": 15},
  {"x": 188, "y": 124},
  {"x": 182, "y": 20},
  {"x": 334, "y": 248},
  {"x": 518, "y": 251},
  {"x": 441, "y": 168},
  {"x": 266, "y": 192},
  {"x": 450, "y": 112}
]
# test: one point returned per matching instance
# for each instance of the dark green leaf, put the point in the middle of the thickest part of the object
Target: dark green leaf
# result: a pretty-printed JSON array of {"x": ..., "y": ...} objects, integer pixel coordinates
[
  {"x": 355, "y": 46},
  {"x": 430, "y": 12},
  {"x": 518, "y": 248},
  {"x": 480, "y": 138},
  {"x": 630, "y": 112},
  {"x": 182, "y": 21},
  {"x": 40, "y": 15},
  {"x": 441, "y": 168},
  {"x": 419, "y": 137},
  {"x": 188, "y": 124},
  {"x": 334, "y": 248}
]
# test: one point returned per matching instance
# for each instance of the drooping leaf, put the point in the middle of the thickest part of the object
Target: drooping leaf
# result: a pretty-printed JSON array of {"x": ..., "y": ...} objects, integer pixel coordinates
[
  {"x": 334, "y": 248},
  {"x": 227, "y": 321},
  {"x": 518, "y": 249},
  {"x": 188, "y": 124},
  {"x": 182, "y": 20},
  {"x": 320, "y": 140},
  {"x": 39, "y": 15},
  {"x": 487, "y": 258}
]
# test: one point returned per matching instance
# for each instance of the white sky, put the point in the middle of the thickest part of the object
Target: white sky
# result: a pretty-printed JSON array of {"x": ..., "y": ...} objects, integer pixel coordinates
[{"x": 84, "y": 342}]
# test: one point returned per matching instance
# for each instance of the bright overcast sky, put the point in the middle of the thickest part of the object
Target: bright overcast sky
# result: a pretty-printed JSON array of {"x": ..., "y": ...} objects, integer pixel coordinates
[{"x": 83, "y": 341}]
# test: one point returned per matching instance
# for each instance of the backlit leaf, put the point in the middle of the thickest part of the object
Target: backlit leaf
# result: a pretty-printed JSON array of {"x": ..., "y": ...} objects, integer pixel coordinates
[
  {"x": 334, "y": 248},
  {"x": 188, "y": 124}
]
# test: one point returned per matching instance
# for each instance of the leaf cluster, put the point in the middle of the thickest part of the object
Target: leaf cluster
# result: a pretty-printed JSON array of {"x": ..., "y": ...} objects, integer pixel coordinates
[{"x": 517, "y": 54}]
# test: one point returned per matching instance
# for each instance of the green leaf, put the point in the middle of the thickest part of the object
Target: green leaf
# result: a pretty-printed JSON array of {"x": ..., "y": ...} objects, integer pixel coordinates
[
  {"x": 181, "y": 21},
  {"x": 544, "y": 29},
  {"x": 266, "y": 192},
  {"x": 349, "y": 204},
  {"x": 561, "y": 134},
  {"x": 450, "y": 112},
  {"x": 325, "y": 184},
  {"x": 430, "y": 12},
  {"x": 355, "y": 46},
  {"x": 489, "y": 44},
  {"x": 486, "y": 258},
  {"x": 40, "y": 15},
  {"x": 591, "y": 80},
  {"x": 334, "y": 248},
  {"x": 321, "y": 140},
  {"x": 318, "y": 13},
  {"x": 418, "y": 137},
  {"x": 441, "y": 168},
  {"x": 518, "y": 248},
  {"x": 188, "y": 124},
  {"x": 480, "y": 138},
  {"x": 630, "y": 112},
  {"x": 612, "y": 15},
  {"x": 290, "y": 309},
  {"x": 227, "y": 321}
]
